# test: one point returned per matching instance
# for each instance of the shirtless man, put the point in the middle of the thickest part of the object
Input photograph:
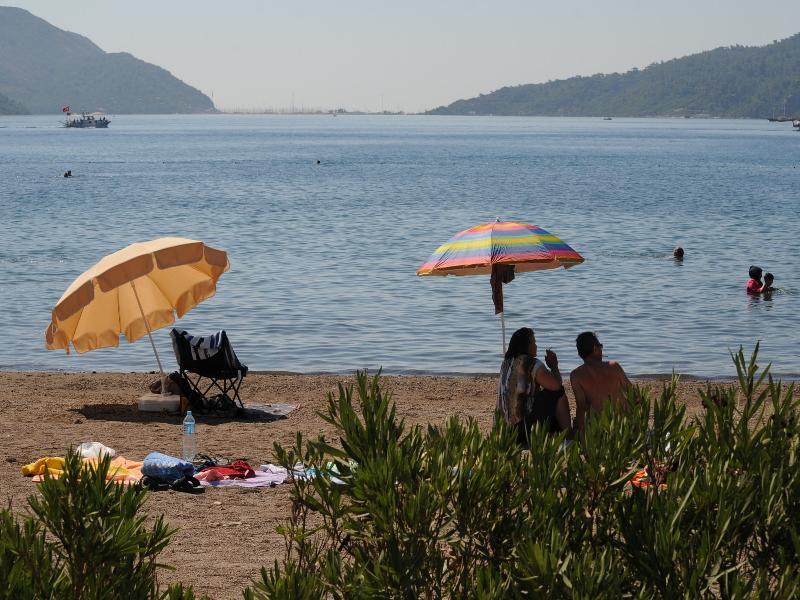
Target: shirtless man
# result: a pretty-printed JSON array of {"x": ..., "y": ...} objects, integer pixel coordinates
[{"x": 595, "y": 381}]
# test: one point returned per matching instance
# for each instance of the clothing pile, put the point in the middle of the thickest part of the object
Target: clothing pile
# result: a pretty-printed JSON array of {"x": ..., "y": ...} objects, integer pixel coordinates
[
  {"x": 160, "y": 471},
  {"x": 643, "y": 480}
]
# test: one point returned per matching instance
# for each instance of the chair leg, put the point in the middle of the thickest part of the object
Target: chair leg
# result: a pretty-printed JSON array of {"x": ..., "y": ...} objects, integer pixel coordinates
[
  {"x": 195, "y": 384},
  {"x": 237, "y": 384},
  {"x": 228, "y": 387}
]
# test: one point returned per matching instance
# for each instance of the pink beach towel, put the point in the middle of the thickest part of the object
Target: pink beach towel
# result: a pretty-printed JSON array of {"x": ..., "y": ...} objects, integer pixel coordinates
[{"x": 266, "y": 476}]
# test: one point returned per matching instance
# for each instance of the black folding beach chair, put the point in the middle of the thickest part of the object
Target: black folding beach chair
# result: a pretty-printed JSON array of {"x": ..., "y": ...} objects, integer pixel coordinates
[{"x": 211, "y": 368}]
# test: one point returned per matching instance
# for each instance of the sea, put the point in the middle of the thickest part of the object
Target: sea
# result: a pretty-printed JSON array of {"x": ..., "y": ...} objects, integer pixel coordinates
[{"x": 326, "y": 219}]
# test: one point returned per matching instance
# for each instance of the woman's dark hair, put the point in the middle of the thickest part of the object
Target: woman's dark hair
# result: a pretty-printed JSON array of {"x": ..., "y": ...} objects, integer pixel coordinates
[
  {"x": 755, "y": 272},
  {"x": 520, "y": 342}
]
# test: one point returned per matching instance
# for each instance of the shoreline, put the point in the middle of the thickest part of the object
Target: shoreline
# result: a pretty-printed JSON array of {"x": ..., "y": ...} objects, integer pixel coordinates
[
  {"x": 789, "y": 378},
  {"x": 355, "y": 113}
]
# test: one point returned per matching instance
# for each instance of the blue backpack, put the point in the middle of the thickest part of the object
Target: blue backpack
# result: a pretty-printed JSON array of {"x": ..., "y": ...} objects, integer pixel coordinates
[{"x": 160, "y": 469}]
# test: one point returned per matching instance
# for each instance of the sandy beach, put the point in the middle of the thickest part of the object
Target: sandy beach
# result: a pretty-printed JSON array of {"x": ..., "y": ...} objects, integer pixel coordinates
[{"x": 225, "y": 535}]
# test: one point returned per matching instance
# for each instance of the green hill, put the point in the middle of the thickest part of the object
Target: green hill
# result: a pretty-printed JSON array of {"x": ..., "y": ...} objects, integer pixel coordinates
[
  {"x": 736, "y": 81},
  {"x": 43, "y": 68}
]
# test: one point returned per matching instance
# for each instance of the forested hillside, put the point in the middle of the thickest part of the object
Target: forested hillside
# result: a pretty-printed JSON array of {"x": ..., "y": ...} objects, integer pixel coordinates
[
  {"x": 9, "y": 107},
  {"x": 736, "y": 81},
  {"x": 43, "y": 68}
]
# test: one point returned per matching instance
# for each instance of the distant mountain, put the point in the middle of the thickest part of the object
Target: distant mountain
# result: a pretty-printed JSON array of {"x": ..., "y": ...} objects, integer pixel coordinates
[
  {"x": 43, "y": 68},
  {"x": 737, "y": 81},
  {"x": 9, "y": 107}
]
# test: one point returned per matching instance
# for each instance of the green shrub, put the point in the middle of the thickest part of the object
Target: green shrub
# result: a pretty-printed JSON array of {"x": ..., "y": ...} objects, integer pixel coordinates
[
  {"x": 85, "y": 538},
  {"x": 440, "y": 512}
]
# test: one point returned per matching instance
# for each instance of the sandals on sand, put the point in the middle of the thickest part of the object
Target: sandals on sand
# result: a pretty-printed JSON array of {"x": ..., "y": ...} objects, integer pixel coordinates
[{"x": 186, "y": 484}]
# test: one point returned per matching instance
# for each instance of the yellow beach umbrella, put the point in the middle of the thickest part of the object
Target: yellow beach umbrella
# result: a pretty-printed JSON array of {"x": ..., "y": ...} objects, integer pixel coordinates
[{"x": 133, "y": 292}]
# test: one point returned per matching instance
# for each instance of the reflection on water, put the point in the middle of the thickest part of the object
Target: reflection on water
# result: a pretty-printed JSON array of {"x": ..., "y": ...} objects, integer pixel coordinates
[{"x": 324, "y": 255}]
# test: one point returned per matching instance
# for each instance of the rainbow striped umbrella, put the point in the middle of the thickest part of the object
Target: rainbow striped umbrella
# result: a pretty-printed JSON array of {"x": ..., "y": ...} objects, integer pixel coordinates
[{"x": 499, "y": 249}]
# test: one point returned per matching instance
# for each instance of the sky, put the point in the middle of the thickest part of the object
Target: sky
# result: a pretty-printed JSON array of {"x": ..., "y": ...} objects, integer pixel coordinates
[{"x": 409, "y": 55}]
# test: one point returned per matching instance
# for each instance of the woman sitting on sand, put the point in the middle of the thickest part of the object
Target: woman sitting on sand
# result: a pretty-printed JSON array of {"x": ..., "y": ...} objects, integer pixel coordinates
[{"x": 529, "y": 392}]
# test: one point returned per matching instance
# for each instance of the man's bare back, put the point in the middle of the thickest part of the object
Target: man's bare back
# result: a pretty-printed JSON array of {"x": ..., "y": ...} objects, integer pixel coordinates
[{"x": 596, "y": 381}]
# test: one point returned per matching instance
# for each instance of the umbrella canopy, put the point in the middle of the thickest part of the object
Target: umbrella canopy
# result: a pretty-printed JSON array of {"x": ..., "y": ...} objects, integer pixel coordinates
[
  {"x": 499, "y": 249},
  {"x": 476, "y": 250},
  {"x": 133, "y": 291}
]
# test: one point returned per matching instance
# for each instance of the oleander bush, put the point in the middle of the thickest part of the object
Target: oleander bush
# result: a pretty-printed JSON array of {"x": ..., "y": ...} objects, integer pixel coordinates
[
  {"x": 437, "y": 512},
  {"x": 84, "y": 538}
]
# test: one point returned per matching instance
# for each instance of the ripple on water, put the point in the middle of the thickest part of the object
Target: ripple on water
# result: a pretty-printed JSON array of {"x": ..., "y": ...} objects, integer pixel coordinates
[{"x": 324, "y": 256}]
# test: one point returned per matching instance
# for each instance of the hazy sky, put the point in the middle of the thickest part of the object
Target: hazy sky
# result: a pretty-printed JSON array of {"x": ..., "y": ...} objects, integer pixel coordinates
[{"x": 409, "y": 54}]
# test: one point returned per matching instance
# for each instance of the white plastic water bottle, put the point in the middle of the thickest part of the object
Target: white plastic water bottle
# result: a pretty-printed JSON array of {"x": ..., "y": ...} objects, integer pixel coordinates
[{"x": 189, "y": 437}]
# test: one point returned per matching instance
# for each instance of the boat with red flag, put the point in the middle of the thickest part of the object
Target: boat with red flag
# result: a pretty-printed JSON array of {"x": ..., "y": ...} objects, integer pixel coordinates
[{"x": 85, "y": 120}]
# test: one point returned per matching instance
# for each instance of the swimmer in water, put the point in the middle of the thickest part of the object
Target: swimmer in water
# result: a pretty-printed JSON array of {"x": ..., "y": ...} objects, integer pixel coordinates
[
  {"x": 754, "y": 284},
  {"x": 677, "y": 254},
  {"x": 67, "y": 173},
  {"x": 769, "y": 278}
]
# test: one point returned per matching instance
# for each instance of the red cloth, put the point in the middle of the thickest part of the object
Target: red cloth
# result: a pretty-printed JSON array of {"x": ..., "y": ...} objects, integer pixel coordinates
[
  {"x": 65, "y": 109},
  {"x": 500, "y": 274},
  {"x": 238, "y": 469}
]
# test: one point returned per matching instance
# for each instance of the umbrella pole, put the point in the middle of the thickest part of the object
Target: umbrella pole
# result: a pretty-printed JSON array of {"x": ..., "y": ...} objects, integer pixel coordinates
[
  {"x": 150, "y": 335},
  {"x": 503, "y": 326}
]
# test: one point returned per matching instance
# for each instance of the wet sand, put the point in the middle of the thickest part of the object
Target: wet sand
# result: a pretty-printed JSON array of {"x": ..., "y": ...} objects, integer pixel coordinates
[{"x": 225, "y": 535}]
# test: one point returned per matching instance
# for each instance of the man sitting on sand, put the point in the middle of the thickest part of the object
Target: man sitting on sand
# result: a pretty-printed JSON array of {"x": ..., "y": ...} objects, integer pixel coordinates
[{"x": 596, "y": 381}]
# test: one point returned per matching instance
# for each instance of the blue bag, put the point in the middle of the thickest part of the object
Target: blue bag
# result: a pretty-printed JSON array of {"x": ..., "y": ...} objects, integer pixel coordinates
[{"x": 165, "y": 468}]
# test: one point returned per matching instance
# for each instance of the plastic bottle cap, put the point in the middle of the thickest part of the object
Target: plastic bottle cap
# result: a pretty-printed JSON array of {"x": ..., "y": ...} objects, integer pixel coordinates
[{"x": 188, "y": 413}]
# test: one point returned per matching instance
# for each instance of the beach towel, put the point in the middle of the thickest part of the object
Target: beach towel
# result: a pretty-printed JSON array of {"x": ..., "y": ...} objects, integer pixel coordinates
[
  {"x": 52, "y": 464},
  {"x": 238, "y": 469},
  {"x": 121, "y": 469},
  {"x": 269, "y": 412},
  {"x": 265, "y": 476},
  {"x": 300, "y": 471},
  {"x": 202, "y": 346}
]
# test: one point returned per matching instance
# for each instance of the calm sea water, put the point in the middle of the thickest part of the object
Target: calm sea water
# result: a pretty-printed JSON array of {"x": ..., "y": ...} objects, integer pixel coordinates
[{"x": 323, "y": 256}]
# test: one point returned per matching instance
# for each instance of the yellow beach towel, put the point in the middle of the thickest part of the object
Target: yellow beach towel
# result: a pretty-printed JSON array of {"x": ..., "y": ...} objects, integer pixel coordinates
[
  {"x": 53, "y": 464},
  {"x": 121, "y": 469}
]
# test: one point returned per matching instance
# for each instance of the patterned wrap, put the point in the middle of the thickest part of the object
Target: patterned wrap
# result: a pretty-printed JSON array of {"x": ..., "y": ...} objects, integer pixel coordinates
[{"x": 516, "y": 388}]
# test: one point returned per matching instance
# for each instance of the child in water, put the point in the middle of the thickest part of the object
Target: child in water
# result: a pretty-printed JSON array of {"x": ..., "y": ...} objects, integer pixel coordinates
[{"x": 768, "y": 279}]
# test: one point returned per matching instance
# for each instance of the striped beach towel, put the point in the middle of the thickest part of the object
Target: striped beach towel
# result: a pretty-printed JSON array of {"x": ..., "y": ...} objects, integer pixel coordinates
[{"x": 202, "y": 346}]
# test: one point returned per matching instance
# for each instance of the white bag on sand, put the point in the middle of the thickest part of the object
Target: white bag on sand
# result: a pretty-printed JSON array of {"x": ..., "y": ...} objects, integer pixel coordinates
[{"x": 94, "y": 450}]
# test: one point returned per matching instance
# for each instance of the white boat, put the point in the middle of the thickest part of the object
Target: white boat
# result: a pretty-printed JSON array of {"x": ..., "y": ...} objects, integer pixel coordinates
[{"x": 87, "y": 119}]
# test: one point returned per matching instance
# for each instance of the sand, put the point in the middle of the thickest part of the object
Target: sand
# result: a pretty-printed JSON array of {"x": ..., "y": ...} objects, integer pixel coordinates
[{"x": 225, "y": 535}]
